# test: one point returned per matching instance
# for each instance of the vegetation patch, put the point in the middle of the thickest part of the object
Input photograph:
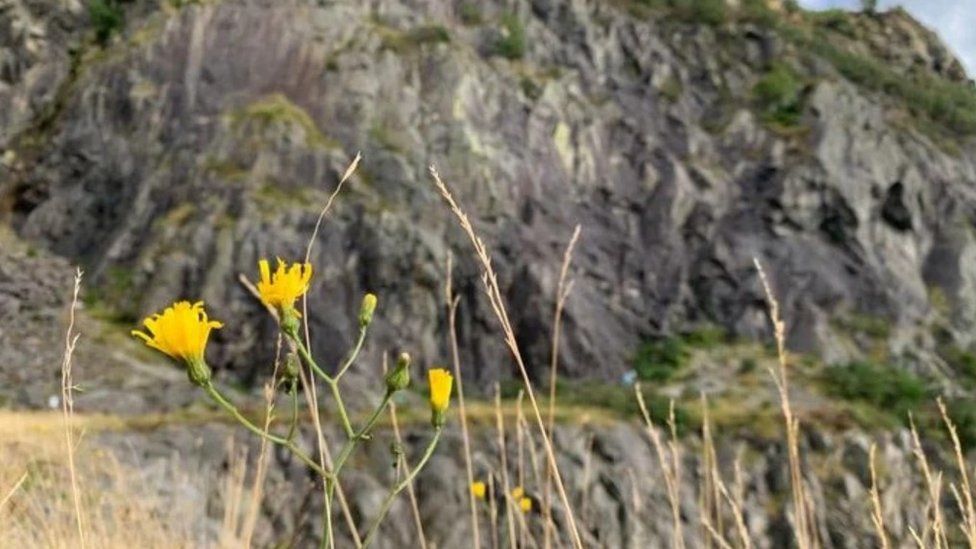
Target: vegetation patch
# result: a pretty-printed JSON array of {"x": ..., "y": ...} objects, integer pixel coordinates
[
  {"x": 884, "y": 387},
  {"x": 511, "y": 45},
  {"x": 415, "y": 38},
  {"x": 278, "y": 109},
  {"x": 107, "y": 17},
  {"x": 779, "y": 96},
  {"x": 661, "y": 359},
  {"x": 470, "y": 13}
]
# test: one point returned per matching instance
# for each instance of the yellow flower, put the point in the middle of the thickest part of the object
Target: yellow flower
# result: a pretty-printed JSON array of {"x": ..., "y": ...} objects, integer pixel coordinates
[
  {"x": 518, "y": 492},
  {"x": 181, "y": 331},
  {"x": 525, "y": 504},
  {"x": 478, "y": 489},
  {"x": 287, "y": 284},
  {"x": 440, "y": 393}
]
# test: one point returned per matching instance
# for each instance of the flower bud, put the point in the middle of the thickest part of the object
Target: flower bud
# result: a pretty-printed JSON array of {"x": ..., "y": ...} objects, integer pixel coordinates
[
  {"x": 478, "y": 489},
  {"x": 290, "y": 322},
  {"x": 366, "y": 310},
  {"x": 198, "y": 371},
  {"x": 290, "y": 372},
  {"x": 399, "y": 378},
  {"x": 441, "y": 381}
]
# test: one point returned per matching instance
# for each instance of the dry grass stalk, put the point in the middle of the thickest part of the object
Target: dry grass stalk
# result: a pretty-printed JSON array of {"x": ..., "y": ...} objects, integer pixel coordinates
[
  {"x": 493, "y": 508},
  {"x": 502, "y": 454},
  {"x": 411, "y": 492},
  {"x": 710, "y": 500},
  {"x": 966, "y": 509},
  {"x": 261, "y": 471},
  {"x": 671, "y": 471},
  {"x": 935, "y": 522},
  {"x": 68, "y": 406},
  {"x": 492, "y": 290},
  {"x": 451, "y": 302},
  {"x": 714, "y": 491},
  {"x": 803, "y": 511},
  {"x": 563, "y": 288},
  {"x": 232, "y": 496},
  {"x": 13, "y": 490},
  {"x": 877, "y": 514},
  {"x": 735, "y": 503},
  {"x": 714, "y": 534},
  {"x": 325, "y": 456}
]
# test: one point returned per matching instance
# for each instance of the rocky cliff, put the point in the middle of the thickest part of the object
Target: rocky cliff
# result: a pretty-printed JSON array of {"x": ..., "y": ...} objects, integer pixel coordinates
[
  {"x": 165, "y": 147},
  {"x": 168, "y": 150}
]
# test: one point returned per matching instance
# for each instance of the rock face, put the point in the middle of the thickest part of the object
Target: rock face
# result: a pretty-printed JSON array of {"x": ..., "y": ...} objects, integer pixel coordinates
[{"x": 202, "y": 138}]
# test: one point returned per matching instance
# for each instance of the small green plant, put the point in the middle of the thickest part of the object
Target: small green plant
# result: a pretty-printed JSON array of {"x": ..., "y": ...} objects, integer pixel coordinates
[
  {"x": 962, "y": 361},
  {"x": 710, "y": 12},
  {"x": 661, "y": 359},
  {"x": 470, "y": 13},
  {"x": 620, "y": 400},
  {"x": 890, "y": 389},
  {"x": 778, "y": 94},
  {"x": 671, "y": 88},
  {"x": 107, "y": 17},
  {"x": 511, "y": 45}
]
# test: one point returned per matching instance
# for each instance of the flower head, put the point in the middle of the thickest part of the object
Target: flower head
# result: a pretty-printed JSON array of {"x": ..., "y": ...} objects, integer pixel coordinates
[
  {"x": 478, "y": 489},
  {"x": 287, "y": 284},
  {"x": 366, "y": 310},
  {"x": 441, "y": 382},
  {"x": 399, "y": 378},
  {"x": 524, "y": 502},
  {"x": 181, "y": 331}
]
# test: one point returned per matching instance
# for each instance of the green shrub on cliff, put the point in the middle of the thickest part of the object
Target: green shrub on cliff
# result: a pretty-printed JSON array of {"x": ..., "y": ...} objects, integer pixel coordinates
[{"x": 107, "y": 18}]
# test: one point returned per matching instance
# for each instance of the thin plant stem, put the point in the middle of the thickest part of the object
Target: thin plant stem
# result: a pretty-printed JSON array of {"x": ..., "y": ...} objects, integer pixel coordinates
[
  {"x": 329, "y": 380},
  {"x": 385, "y": 508},
  {"x": 670, "y": 470},
  {"x": 290, "y": 445},
  {"x": 451, "y": 303},
  {"x": 332, "y": 483},
  {"x": 877, "y": 515},
  {"x": 257, "y": 485},
  {"x": 803, "y": 512},
  {"x": 67, "y": 406},
  {"x": 352, "y": 355},
  {"x": 323, "y": 447},
  {"x": 502, "y": 454},
  {"x": 411, "y": 493},
  {"x": 562, "y": 292}
]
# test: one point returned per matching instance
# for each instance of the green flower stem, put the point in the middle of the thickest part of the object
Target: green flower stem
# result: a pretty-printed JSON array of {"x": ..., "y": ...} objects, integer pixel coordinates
[
  {"x": 294, "y": 413},
  {"x": 329, "y": 380},
  {"x": 290, "y": 445},
  {"x": 352, "y": 355},
  {"x": 350, "y": 445},
  {"x": 374, "y": 527}
]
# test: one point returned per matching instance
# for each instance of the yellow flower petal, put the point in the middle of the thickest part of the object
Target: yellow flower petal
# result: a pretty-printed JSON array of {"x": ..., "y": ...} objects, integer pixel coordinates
[
  {"x": 180, "y": 331},
  {"x": 441, "y": 382},
  {"x": 285, "y": 286}
]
